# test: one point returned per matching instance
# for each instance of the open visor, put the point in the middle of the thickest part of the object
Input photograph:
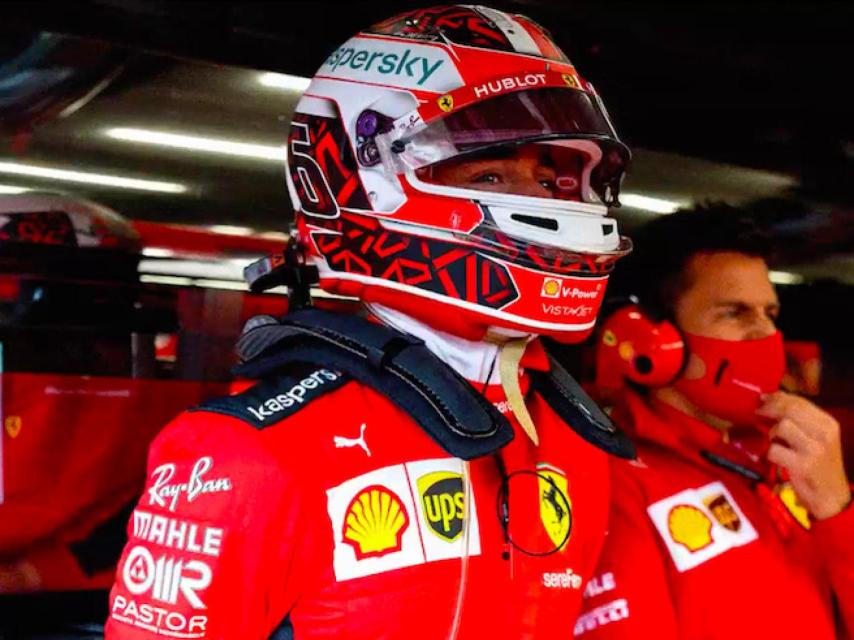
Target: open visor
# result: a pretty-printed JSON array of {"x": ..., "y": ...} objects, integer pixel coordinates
[{"x": 520, "y": 117}]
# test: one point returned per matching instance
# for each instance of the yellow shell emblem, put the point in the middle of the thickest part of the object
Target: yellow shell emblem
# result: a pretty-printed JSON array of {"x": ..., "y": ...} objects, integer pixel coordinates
[
  {"x": 551, "y": 287},
  {"x": 555, "y": 504},
  {"x": 446, "y": 103},
  {"x": 626, "y": 350},
  {"x": 375, "y": 522},
  {"x": 690, "y": 527},
  {"x": 798, "y": 511}
]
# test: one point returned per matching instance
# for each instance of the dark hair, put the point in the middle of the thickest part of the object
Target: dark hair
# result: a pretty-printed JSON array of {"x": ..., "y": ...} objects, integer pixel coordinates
[{"x": 655, "y": 271}]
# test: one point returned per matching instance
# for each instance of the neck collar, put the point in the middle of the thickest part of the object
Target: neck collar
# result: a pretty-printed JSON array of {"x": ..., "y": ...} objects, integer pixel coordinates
[
  {"x": 659, "y": 423},
  {"x": 475, "y": 360}
]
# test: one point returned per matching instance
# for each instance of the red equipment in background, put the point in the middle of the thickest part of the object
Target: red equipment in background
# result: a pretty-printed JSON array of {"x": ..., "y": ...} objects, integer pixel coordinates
[{"x": 94, "y": 362}]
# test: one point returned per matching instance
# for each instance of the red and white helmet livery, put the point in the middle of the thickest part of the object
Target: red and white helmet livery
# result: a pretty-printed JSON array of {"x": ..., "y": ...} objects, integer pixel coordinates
[{"x": 457, "y": 82}]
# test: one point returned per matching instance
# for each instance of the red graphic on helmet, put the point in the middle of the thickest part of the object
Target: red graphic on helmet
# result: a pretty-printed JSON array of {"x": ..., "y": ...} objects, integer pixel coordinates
[
  {"x": 359, "y": 245},
  {"x": 458, "y": 24},
  {"x": 323, "y": 167}
]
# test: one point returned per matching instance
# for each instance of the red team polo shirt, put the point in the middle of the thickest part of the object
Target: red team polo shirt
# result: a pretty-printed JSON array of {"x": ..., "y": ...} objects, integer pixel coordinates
[
  {"x": 695, "y": 551},
  {"x": 341, "y": 513}
]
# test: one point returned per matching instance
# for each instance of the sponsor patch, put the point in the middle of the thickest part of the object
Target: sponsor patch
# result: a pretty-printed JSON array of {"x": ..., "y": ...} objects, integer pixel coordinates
[
  {"x": 13, "y": 426},
  {"x": 626, "y": 350},
  {"x": 690, "y": 527},
  {"x": 439, "y": 547},
  {"x": 446, "y": 103},
  {"x": 375, "y": 522},
  {"x": 175, "y": 533},
  {"x": 166, "y": 578},
  {"x": 270, "y": 402},
  {"x": 165, "y": 492},
  {"x": 378, "y": 526},
  {"x": 510, "y": 83},
  {"x": 603, "y": 583},
  {"x": 443, "y": 503},
  {"x": 614, "y": 611},
  {"x": 562, "y": 580},
  {"x": 566, "y": 310},
  {"x": 570, "y": 80},
  {"x": 159, "y": 620},
  {"x": 409, "y": 65},
  {"x": 697, "y": 525},
  {"x": 723, "y": 511},
  {"x": 555, "y": 288},
  {"x": 790, "y": 500},
  {"x": 551, "y": 288},
  {"x": 555, "y": 504},
  {"x": 342, "y": 442}
]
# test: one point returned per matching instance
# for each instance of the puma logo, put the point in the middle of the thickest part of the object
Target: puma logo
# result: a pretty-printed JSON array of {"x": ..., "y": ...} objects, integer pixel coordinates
[{"x": 342, "y": 442}]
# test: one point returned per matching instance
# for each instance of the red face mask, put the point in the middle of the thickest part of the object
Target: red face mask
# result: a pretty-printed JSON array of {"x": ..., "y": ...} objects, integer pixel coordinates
[{"x": 736, "y": 374}]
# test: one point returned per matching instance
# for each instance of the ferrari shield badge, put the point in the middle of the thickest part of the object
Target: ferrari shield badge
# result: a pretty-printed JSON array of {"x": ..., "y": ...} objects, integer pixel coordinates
[{"x": 555, "y": 505}]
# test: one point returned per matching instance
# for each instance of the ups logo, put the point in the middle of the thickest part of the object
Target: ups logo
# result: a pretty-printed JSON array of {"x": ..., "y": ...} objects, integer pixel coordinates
[
  {"x": 724, "y": 512},
  {"x": 443, "y": 503}
]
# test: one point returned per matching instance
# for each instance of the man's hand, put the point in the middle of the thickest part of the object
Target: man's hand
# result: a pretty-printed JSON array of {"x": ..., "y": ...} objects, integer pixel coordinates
[{"x": 806, "y": 442}]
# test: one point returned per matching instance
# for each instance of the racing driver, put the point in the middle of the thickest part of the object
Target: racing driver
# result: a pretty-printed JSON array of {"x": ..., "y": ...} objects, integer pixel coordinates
[
  {"x": 735, "y": 521},
  {"x": 430, "y": 471}
]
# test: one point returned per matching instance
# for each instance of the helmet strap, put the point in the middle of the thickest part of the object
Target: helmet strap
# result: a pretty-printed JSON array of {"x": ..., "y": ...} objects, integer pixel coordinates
[{"x": 509, "y": 356}]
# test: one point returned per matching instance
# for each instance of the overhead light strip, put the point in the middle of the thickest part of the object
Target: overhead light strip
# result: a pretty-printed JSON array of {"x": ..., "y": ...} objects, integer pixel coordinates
[
  {"x": 197, "y": 143},
  {"x": 231, "y": 230},
  {"x": 85, "y": 177},
  {"x": 211, "y": 269},
  {"x": 785, "y": 277},
  {"x": 284, "y": 81},
  {"x": 9, "y": 189},
  {"x": 647, "y": 203}
]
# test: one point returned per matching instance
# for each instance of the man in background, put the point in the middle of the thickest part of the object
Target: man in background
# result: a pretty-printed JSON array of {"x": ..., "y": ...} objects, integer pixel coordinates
[{"x": 735, "y": 521}]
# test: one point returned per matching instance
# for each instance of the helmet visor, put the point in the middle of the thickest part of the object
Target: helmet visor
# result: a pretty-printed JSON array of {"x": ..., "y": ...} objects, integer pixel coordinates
[{"x": 519, "y": 117}]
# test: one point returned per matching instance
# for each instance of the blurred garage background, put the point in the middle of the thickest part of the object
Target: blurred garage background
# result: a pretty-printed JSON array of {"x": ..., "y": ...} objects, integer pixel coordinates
[{"x": 175, "y": 116}]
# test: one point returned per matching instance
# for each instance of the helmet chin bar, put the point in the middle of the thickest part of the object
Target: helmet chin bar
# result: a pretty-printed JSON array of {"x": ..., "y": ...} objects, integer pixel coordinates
[{"x": 561, "y": 224}]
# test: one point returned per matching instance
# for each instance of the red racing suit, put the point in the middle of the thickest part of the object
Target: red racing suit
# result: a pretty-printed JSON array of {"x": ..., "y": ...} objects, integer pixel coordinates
[
  {"x": 697, "y": 551},
  {"x": 343, "y": 515}
]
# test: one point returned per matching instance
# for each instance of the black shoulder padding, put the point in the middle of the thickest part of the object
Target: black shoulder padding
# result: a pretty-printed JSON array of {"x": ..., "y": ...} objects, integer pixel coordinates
[
  {"x": 567, "y": 399},
  {"x": 276, "y": 397},
  {"x": 396, "y": 365},
  {"x": 401, "y": 368}
]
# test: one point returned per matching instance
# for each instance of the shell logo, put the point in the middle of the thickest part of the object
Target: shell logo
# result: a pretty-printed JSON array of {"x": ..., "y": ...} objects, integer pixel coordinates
[
  {"x": 793, "y": 505},
  {"x": 551, "y": 288},
  {"x": 375, "y": 522},
  {"x": 626, "y": 350},
  {"x": 690, "y": 527}
]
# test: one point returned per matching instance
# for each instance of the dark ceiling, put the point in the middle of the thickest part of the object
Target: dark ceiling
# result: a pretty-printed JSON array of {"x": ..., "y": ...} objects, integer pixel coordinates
[{"x": 762, "y": 84}]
